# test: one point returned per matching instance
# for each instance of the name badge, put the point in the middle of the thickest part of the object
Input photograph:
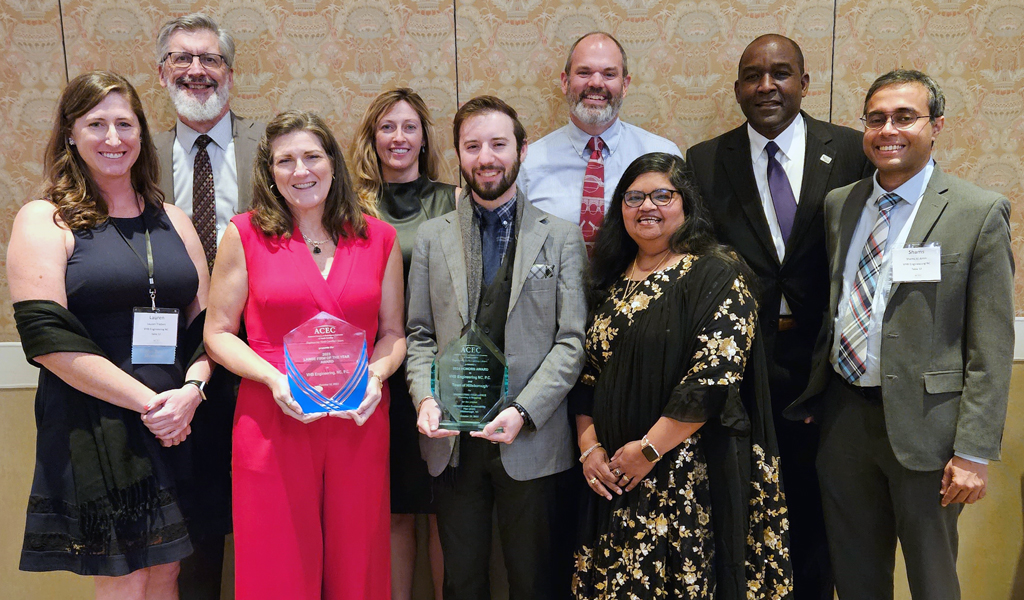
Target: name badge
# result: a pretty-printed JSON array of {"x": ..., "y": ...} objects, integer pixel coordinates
[
  {"x": 917, "y": 263},
  {"x": 154, "y": 336}
]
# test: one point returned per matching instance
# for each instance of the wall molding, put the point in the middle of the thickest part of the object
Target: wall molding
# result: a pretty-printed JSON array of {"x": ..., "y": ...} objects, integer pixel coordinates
[{"x": 17, "y": 374}]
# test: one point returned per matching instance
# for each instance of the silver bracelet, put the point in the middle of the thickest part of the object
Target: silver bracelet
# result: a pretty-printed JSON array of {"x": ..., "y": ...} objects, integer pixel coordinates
[{"x": 583, "y": 457}]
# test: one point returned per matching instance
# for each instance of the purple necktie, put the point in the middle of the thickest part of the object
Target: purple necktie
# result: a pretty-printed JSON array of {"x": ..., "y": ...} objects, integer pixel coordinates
[
  {"x": 204, "y": 210},
  {"x": 782, "y": 192}
]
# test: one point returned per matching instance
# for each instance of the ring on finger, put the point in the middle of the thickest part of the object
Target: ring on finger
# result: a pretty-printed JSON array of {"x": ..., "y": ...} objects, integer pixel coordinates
[
  {"x": 593, "y": 480},
  {"x": 618, "y": 472}
]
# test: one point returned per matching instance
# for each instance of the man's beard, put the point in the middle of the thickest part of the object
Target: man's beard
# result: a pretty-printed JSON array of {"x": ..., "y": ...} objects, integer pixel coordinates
[
  {"x": 594, "y": 115},
  {"x": 191, "y": 108},
  {"x": 493, "y": 191}
]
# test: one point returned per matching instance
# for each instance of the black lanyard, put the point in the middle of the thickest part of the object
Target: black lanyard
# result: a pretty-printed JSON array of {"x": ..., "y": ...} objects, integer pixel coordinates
[{"x": 148, "y": 262}]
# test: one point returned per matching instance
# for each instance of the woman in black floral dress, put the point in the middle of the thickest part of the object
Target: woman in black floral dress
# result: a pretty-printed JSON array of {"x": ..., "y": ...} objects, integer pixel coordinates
[{"x": 679, "y": 452}]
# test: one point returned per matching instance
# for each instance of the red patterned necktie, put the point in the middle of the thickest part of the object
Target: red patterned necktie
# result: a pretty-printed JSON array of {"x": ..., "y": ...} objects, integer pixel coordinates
[
  {"x": 592, "y": 207},
  {"x": 204, "y": 210},
  {"x": 853, "y": 342}
]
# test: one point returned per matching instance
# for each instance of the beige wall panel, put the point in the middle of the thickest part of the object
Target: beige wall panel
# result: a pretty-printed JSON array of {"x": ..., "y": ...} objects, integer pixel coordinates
[
  {"x": 31, "y": 77},
  {"x": 682, "y": 57},
  {"x": 975, "y": 51}
]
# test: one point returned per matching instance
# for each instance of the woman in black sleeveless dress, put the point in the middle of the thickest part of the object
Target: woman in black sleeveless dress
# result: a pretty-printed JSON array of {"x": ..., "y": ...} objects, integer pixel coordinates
[
  {"x": 86, "y": 267},
  {"x": 395, "y": 164}
]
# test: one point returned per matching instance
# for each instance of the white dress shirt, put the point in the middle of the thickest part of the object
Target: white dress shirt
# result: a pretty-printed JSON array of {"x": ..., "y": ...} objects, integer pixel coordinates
[
  {"x": 552, "y": 174},
  {"x": 222, "y": 159},
  {"x": 792, "y": 143}
]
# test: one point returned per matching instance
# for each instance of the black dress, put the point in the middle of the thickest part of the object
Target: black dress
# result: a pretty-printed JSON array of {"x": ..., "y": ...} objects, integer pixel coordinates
[
  {"x": 677, "y": 347},
  {"x": 406, "y": 206},
  {"x": 104, "y": 282}
]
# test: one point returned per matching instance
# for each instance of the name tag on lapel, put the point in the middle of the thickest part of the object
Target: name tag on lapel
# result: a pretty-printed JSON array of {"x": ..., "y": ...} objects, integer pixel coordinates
[{"x": 917, "y": 263}]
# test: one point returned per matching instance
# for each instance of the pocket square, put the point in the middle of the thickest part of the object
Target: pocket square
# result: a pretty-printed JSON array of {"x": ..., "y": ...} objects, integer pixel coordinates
[{"x": 541, "y": 271}]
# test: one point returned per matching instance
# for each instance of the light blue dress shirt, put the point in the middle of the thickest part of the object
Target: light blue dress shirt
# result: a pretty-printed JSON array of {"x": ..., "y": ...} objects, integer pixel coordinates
[
  {"x": 222, "y": 160},
  {"x": 552, "y": 174}
]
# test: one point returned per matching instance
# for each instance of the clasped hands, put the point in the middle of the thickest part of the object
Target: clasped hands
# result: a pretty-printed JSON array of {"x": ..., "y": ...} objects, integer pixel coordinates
[
  {"x": 169, "y": 414},
  {"x": 283, "y": 397},
  {"x": 502, "y": 430},
  {"x": 623, "y": 471}
]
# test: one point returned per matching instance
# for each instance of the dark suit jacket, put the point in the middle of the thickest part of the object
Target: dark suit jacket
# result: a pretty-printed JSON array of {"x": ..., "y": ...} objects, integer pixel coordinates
[
  {"x": 947, "y": 347},
  {"x": 834, "y": 157},
  {"x": 247, "y": 135}
]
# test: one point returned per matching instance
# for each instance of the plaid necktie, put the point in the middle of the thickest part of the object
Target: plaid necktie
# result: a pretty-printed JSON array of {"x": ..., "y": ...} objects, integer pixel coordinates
[
  {"x": 592, "y": 207},
  {"x": 204, "y": 212},
  {"x": 853, "y": 343},
  {"x": 782, "y": 192}
]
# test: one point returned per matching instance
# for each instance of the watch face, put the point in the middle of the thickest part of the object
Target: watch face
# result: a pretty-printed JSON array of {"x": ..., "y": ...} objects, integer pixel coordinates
[{"x": 650, "y": 453}]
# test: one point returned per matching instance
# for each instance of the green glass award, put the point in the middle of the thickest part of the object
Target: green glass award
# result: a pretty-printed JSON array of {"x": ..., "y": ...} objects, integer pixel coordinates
[{"x": 469, "y": 380}]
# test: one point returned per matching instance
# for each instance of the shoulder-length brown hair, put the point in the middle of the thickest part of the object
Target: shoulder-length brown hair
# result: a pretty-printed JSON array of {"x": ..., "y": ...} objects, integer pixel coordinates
[
  {"x": 270, "y": 212},
  {"x": 366, "y": 172},
  {"x": 69, "y": 185}
]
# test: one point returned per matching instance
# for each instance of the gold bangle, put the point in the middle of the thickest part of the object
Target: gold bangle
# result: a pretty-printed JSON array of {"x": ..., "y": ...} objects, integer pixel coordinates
[
  {"x": 379, "y": 380},
  {"x": 583, "y": 457}
]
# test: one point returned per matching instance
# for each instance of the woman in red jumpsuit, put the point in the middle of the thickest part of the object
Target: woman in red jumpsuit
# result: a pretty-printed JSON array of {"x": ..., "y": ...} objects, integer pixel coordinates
[{"x": 311, "y": 504}]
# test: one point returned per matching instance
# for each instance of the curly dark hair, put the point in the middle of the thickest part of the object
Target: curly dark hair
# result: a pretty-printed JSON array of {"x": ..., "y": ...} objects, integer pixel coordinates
[
  {"x": 69, "y": 186},
  {"x": 270, "y": 213},
  {"x": 614, "y": 250}
]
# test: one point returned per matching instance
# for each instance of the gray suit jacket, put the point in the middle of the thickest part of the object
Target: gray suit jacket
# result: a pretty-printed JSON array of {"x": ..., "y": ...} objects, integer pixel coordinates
[
  {"x": 544, "y": 330},
  {"x": 247, "y": 135},
  {"x": 947, "y": 347}
]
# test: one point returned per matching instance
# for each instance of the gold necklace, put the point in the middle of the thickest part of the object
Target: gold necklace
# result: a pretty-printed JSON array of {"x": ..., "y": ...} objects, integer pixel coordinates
[{"x": 633, "y": 285}]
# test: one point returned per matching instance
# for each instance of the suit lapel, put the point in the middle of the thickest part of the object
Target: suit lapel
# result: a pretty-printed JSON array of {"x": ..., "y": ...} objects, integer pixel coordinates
[
  {"x": 165, "y": 156},
  {"x": 933, "y": 203},
  {"x": 740, "y": 172},
  {"x": 245, "y": 157},
  {"x": 455, "y": 257},
  {"x": 529, "y": 243},
  {"x": 815, "y": 179}
]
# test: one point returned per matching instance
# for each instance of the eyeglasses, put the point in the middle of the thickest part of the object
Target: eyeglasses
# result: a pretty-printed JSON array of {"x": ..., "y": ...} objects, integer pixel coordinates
[
  {"x": 636, "y": 198},
  {"x": 183, "y": 60},
  {"x": 901, "y": 119}
]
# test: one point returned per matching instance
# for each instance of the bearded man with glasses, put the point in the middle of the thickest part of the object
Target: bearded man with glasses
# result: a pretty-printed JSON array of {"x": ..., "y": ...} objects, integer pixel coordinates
[
  {"x": 912, "y": 367},
  {"x": 205, "y": 169}
]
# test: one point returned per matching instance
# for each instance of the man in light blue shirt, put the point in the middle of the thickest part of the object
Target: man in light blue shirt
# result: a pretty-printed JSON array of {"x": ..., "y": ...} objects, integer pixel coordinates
[
  {"x": 595, "y": 81},
  {"x": 912, "y": 367}
]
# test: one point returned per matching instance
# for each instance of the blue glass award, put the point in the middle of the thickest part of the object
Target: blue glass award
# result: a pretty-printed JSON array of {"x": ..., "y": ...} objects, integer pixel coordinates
[{"x": 327, "y": 364}]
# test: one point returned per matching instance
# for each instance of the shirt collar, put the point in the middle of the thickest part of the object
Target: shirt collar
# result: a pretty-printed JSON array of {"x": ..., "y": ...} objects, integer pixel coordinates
[
  {"x": 784, "y": 140},
  {"x": 579, "y": 138},
  {"x": 506, "y": 212},
  {"x": 912, "y": 189},
  {"x": 220, "y": 134}
]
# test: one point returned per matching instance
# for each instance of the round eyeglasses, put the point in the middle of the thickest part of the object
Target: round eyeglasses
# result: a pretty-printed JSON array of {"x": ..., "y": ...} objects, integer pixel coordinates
[
  {"x": 183, "y": 60},
  {"x": 660, "y": 197},
  {"x": 901, "y": 119}
]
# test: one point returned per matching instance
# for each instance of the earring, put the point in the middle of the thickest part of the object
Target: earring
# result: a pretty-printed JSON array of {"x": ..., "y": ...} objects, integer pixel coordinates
[
  {"x": 71, "y": 142},
  {"x": 423, "y": 149}
]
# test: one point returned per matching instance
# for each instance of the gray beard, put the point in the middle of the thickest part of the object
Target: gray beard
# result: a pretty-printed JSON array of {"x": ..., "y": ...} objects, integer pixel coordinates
[
  {"x": 596, "y": 116},
  {"x": 191, "y": 108}
]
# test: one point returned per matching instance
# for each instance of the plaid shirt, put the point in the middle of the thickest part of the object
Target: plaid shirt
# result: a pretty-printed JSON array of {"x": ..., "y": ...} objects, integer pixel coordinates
[{"x": 507, "y": 213}]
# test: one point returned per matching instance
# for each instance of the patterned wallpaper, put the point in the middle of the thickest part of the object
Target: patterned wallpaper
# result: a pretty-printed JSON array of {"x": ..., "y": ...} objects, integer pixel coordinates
[{"x": 334, "y": 57}]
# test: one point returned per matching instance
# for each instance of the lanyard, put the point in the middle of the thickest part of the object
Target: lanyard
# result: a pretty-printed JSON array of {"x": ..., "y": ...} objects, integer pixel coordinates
[{"x": 148, "y": 263}]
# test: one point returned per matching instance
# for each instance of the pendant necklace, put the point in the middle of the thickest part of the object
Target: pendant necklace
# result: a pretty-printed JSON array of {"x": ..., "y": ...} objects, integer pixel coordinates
[
  {"x": 315, "y": 243},
  {"x": 632, "y": 286}
]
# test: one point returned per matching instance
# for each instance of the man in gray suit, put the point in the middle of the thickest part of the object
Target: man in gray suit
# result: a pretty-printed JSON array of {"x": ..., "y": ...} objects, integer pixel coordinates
[
  {"x": 912, "y": 369},
  {"x": 206, "y": 170},
  {"x": 517, "y": 272}
]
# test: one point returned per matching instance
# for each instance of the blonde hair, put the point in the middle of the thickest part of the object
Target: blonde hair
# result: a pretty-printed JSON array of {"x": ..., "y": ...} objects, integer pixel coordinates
[
  {"x": 367, "y": 176},
  {"x": 69, "y": 186}
]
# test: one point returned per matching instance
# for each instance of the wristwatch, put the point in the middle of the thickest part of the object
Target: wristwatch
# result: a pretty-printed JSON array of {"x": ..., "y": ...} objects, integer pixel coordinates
[
  {"x": 200, "y": 385},
  {"x": 650, "y": 452}
]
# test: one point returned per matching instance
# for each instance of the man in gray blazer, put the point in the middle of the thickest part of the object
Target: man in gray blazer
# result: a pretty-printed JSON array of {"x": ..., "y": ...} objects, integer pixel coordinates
[
  {"x": 912, "y": 368},
  {"x": 206, "y": 170},
  {"x": 517, "y": 272}
]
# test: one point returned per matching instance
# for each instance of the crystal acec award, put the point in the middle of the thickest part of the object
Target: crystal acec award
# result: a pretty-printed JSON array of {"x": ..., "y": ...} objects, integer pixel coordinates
[
  {"x": 469, "y": 380},
  {"x": 327, "y": 364}
]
